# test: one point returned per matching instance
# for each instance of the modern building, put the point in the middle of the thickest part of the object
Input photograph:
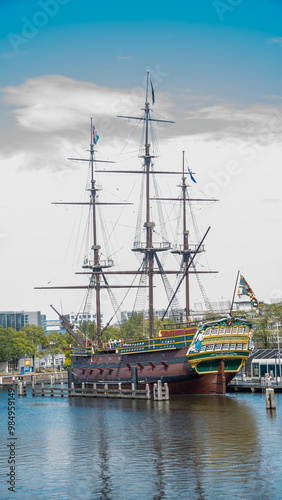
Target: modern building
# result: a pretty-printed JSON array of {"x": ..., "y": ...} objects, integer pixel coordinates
[
  {"x": 262, "y": 361},
  {"x": 18, "y": 319},
  {"x": 78, "y": 319},
  {"x": 53, "y": 325}
]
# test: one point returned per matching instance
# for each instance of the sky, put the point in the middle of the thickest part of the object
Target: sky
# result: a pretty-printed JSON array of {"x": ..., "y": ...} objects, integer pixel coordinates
[{"x": 216, "y": 70}]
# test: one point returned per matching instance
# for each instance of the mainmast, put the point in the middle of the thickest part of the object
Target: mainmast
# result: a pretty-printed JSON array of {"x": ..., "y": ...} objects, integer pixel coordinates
[
  {"x": 148, "y": 224},
  {"x": 95, "y": 278}
]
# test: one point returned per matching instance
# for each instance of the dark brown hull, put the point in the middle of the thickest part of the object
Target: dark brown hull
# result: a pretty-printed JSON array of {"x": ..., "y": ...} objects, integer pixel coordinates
[{"x": 171, "y": 367}]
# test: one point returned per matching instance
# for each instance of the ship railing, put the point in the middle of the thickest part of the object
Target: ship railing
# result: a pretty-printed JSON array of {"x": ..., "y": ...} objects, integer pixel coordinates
[
  {"x": 102, "y": 264},
  {"x": 142, "y": 246},
  {"x": 192, "y": 249},
  {"x": 81, "y": 351}
]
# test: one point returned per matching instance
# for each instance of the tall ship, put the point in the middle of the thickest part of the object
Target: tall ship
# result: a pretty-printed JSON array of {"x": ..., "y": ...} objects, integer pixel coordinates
[{"x": 192, "y": 357}]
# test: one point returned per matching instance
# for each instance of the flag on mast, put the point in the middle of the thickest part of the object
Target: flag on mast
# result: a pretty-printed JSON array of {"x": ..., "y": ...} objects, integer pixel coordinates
[
  {"x": 245, "y": 289},
  {"x": 153, "y": 92},
  {"x": 95, "y": 136},
  {"x": 190, "y": 173}
]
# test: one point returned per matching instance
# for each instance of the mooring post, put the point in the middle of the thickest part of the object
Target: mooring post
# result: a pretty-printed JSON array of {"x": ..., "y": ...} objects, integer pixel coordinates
[
  {"x": 62, "y": 389},
  {"x": 42, "y": 388},
  {"x": 166, "y": 389},
  {"x": 147, "y": 391},
  {"x": 160, "y": 390},
  {"x": 270, "y": 399},
  {"x": 72, "y": 389},
  {"x": 83, "y": 388},
  {"x": 134, "y": 376},
  {"x": 106, "y": 389},
  {"x": 133, "y": 393},
  {"x": 155, "y": 391},
  {"x": 70, "y": 377},
  {"x": 119, "y": 389},
  {"x": 24, "y": 389},
  {"x": 95, "y": 389},
  {"x": 20, "y": 388}
]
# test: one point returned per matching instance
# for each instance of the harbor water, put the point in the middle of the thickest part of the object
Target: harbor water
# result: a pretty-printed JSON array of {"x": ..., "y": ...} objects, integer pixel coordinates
[{"x": 203, "y": 447}]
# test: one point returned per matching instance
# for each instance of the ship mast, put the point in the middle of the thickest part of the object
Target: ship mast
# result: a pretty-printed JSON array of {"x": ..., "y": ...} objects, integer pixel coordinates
[
  {"x": 148, "y": 224},
  {"x": 185, "y": 242},
  {"x": 96, "y": 267},
  {"x": 96, "y": 247}
]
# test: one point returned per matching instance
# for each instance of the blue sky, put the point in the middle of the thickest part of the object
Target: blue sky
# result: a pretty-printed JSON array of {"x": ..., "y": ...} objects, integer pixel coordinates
[
  {"x": 216, "y": 68},
  {"x": 201, "y": 44}
]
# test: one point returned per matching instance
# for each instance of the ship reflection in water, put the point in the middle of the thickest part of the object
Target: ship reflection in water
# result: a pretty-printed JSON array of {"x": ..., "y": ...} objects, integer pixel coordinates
[{"x": 204, "y": 447}]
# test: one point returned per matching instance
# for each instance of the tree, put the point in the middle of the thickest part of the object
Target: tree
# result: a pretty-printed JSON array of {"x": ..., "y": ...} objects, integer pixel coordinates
[
  {"x": 266, "y": 322},
  {"x": 14, "y": 345},
  {"x": 89, "y": 330},
  {"x": 56, "y": 344},
  {"x": 4, "y": 344},
  {"x": 37, "y": 336},
  {"x": 68, "y": 358},
  {"x": 110, "y": 332},
  {"x": 134, "y": 328}
]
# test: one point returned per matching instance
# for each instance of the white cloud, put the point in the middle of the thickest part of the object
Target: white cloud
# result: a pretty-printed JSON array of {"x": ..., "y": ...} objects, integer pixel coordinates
[
  {"x": 277, "y": 40},
  {"x": 52, "y": 118},
  {"x": 51, "y": 121},
  {"x": 125, "y": 58}
]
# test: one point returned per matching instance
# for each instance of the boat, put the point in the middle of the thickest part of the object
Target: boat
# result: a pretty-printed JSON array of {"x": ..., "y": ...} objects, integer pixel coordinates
[{"x": 195, "y": 357}]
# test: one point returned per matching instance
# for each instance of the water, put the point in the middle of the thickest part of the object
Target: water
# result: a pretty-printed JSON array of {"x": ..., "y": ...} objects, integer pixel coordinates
[{"x": 200, "y": 448}]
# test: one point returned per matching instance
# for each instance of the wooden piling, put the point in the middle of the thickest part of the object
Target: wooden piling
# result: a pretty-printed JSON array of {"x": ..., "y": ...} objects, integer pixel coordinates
[
  {"x": 20, "y": 388},
  {"x": 101, "y": 389},
  {"x": 270, "y": 399},
  {"x": 72, "y": 389},
  {"x": 119, "y": 389},
  {"x": 51, "y": 386},
  {"x": 160, "y": 393}
]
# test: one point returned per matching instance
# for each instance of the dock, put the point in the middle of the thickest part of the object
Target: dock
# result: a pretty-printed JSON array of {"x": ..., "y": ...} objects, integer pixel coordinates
[
  {"x": 256, "y": 384},
  {"x": 98, "y": 390}
]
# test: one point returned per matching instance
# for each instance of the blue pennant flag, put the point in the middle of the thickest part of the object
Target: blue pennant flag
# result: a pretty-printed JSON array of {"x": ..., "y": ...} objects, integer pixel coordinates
[
  {"x": 95, "y": 136},
  {"x": 153, "y": 92},
  {"x": 190, "y": 173}
]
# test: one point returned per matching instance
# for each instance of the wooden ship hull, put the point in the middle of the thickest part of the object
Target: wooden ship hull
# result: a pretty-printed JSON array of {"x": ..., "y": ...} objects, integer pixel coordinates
[
  {"x": 170, "y": 359},
  {"x": 192, "y": 359}
]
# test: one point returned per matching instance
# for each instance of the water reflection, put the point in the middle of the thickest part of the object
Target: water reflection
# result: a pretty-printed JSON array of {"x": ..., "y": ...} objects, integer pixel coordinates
[{"x": 202, "y": 447}]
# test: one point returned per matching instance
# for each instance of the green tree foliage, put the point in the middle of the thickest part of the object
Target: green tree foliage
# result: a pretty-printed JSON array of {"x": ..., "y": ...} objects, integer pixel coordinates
[
  {"x": 37, "y": 336},
  {"x": 68, "y": 358},
  {"x": 266, "y": 323},
  {"x": 110, "y": 332},
  {"x": 89, "y": 330},
  {"x": 4, "y": 345},
  {"x": 14, "y": 345},
  {"x": 57, "y": 344},
  {"x": 134, "y": 328}
]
